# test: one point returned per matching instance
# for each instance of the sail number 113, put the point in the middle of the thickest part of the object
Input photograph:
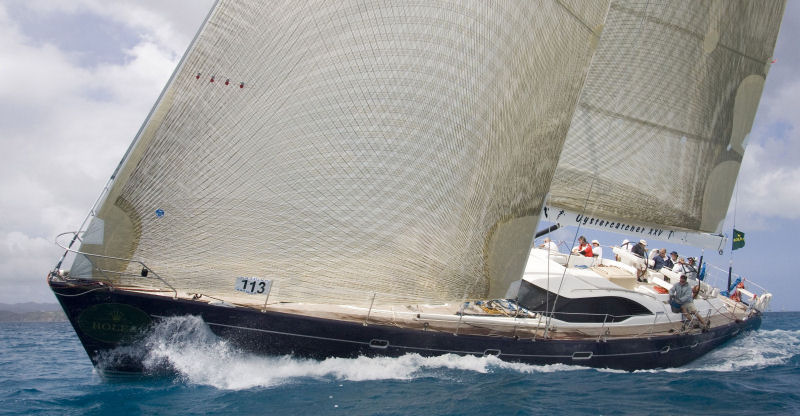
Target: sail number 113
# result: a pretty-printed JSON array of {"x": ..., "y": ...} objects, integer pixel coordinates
[{"x": 253, "y": 285}]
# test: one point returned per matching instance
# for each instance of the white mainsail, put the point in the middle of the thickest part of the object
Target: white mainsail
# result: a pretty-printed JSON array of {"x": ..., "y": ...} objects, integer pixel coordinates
[
  {"x": 348, "y": 149},
  {"x": 659, "y": 133}
]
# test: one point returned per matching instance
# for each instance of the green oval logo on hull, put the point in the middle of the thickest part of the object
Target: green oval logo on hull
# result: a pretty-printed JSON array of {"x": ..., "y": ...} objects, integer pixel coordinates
[{"x": 113, "y": 323}]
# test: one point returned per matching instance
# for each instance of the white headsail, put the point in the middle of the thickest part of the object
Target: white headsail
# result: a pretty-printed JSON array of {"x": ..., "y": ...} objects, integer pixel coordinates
[
  {"x": 344, "y": 149},
  {"x": 659, "y": 133}
]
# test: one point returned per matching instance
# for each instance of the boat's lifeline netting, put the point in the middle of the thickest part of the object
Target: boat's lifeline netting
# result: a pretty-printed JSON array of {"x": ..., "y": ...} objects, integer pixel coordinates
[
  {"x": 349, "y": 148},
  {"x": 664, "y": 116}
]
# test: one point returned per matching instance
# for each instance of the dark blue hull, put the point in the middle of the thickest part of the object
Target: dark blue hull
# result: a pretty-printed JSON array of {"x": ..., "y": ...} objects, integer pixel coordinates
[{"x": 105, "y": 319}]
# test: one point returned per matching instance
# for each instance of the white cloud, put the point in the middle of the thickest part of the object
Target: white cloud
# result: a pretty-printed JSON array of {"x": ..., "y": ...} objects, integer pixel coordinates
[
  {"x": 170, "y": 24},
  {"x": 61, "y": 138},
  {"x": 64, "y": 127},
  {"x": 773, "y": 193},
  {"x": 768, "y": 182},
  {"x": 781, "y": 102}
]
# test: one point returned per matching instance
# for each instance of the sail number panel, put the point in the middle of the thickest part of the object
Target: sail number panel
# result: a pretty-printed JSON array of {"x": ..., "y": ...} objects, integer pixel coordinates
[{"x": 253, "y": 285}]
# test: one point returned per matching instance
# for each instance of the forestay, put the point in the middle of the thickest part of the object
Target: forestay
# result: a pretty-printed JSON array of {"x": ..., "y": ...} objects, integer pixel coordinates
[
  {"x": 347, "y": 149},
  {"x": 660, "y": 130}
]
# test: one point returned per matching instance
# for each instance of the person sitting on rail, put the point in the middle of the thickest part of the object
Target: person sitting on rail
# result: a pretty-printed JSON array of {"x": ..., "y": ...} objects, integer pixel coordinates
[
  {"x": 680, "y": 297},
  {"x": 584, "y": 249}
]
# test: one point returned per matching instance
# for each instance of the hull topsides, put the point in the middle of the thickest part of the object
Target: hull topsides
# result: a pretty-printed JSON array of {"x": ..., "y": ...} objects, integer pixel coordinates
[{"x": 105, "y": 319}]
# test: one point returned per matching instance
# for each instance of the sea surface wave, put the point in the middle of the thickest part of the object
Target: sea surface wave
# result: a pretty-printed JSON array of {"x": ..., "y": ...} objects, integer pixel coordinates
[{"x": 46, "y": 371}]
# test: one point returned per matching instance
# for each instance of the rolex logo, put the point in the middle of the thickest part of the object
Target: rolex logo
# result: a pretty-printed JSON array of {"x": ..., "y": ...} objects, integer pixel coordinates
[
  {"x": 113, "y": 323},
  {"x": 116, "y": 315}
]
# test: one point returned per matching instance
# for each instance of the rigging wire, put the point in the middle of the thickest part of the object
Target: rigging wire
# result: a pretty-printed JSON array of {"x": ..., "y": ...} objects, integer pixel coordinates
[{"x": 730, "y": 260}]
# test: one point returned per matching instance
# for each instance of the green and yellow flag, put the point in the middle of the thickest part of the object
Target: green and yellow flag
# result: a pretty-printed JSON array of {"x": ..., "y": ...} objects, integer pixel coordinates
[{"x": 738, "y": 239}]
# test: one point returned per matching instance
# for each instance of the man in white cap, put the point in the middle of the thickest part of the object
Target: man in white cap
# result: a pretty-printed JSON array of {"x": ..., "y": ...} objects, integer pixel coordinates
[
  {"x": 597, "y": 251},
  {"x": 640, "y": 249}
]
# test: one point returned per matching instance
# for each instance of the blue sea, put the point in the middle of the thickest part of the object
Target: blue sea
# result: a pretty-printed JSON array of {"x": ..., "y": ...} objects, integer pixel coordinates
[{"x": 46, "y": 371}]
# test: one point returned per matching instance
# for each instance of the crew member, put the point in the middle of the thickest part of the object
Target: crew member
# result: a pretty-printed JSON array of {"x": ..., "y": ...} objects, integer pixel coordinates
[
  {"x": 584, "y": 249},
  {"x": 640, "y": 249},
  {"x": 673, "y": 258},
  {"x": 597, "y": 251},
  {"x": 681, "y": 295},
  {"x": 658, "y": 259},
  {"x": 548, "y": 244},
  {"x": 691, "y": 270}
]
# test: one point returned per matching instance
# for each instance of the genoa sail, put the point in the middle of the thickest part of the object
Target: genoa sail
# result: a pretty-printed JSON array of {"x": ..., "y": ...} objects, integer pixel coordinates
[
  {"x": 659, "y": 133},
  {"x": 349, "y": 150}
]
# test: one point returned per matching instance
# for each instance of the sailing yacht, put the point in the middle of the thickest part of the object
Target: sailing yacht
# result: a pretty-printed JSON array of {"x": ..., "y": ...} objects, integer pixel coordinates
[{"x": 338, "y": 179}]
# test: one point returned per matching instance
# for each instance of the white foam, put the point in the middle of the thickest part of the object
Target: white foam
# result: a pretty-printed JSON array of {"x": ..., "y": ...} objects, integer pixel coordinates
[
  {"x": 186, "y": 345},
  {"x": 753, "y": 351}
]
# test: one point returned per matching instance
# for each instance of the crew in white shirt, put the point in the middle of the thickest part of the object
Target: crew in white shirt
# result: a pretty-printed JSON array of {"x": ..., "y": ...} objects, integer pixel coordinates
[
  {"x": 597, "y": 251},
  {"x": 548, "y": 244}
]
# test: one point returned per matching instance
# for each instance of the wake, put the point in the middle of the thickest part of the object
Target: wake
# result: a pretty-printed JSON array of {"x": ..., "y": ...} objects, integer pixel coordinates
[{"x": 755, "y": 350}]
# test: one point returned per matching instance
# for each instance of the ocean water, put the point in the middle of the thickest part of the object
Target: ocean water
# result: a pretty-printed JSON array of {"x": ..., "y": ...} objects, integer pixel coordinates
[{"x": 45, "y": 371}]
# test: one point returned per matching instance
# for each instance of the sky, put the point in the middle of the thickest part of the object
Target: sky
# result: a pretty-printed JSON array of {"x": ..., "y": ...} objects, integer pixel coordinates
[{"x": 78, "y": 78}]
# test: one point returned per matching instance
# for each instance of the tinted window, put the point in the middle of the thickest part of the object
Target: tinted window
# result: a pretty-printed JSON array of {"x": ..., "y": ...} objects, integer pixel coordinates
[{"x": 594, "y": 309}]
